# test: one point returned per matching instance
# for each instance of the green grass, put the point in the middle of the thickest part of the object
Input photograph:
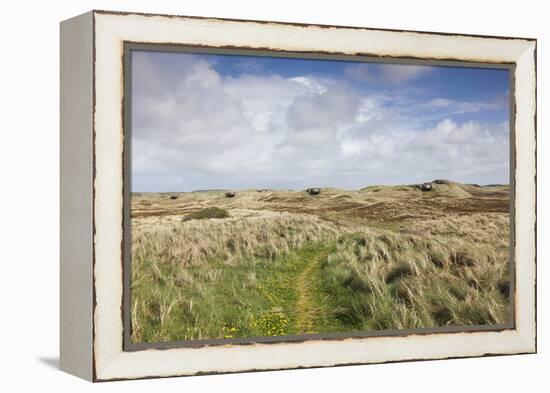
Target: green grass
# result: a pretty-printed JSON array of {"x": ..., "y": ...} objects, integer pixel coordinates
[
  {"x": 256, "y": 297},
  {"x": 344, "y": 285}
]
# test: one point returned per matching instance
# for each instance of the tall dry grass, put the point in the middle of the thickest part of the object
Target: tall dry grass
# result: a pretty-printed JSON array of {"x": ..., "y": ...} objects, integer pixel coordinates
[
  {"x": 385, "y": 258},
  {"x": 198, "y": 279},
  {"x": 449, "y": 271},
  {"x": 194, "y": 242}
]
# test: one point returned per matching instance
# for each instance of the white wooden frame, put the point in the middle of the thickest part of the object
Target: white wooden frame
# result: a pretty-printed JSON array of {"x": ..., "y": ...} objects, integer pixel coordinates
[{"x": 92, "y": 118}]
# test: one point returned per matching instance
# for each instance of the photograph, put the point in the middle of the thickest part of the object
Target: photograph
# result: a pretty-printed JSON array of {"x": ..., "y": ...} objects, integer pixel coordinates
[{"x": 280, "y": 196}]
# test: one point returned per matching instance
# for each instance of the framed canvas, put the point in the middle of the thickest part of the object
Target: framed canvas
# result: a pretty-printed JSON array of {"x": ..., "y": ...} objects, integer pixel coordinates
[{"x": 244, "y": 195}]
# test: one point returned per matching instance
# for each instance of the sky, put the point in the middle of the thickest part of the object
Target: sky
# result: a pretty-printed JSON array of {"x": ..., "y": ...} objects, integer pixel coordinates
[{"x": 209, "y": 121}]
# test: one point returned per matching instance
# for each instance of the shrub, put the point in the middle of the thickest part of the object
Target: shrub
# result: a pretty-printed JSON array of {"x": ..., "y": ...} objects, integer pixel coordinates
[{"x": 209, "y": 212}]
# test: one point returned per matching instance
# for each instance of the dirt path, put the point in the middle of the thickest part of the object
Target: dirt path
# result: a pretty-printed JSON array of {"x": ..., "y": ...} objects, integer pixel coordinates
[
  {"x": 305, "y": 313},
  {"x": 296, "y": 303},
  {"x": 307, "y": 309}
]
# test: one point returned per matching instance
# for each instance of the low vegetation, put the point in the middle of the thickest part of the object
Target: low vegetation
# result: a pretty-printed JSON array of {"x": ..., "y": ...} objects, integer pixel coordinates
[
  {"x": 206, "y": 213},
  {"x": 280, "y": 263}
]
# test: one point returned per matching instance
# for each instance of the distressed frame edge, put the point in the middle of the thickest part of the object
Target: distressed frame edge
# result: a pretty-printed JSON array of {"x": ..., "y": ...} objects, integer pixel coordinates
[
  {"x": 76, "y": 196},
  {"x": 304, "y": 24},
  {"x": 526, "y": 139},
  {"x": 527, "y": 340}
]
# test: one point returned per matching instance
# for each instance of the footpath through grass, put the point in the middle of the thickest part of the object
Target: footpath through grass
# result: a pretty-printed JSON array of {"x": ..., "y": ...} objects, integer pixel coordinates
[
  {"x": 256, "y": 297},
  {"x": 296, "y": 303}
]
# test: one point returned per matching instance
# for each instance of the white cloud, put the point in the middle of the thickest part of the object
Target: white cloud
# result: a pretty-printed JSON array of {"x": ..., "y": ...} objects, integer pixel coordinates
[
  {"x": 196, "y": 129},
  {"x": 399, "y": 73},
  {"x": 310, "y": 84},
  {"x": 440, "y": 103},
  {"x": 458, "y": 107}
]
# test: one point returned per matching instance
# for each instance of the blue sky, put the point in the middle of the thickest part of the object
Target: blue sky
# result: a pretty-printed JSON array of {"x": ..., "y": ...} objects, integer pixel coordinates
[{"x": 203, "y": 121}]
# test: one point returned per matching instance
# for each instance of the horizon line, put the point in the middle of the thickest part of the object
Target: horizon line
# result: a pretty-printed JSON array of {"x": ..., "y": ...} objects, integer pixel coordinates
[{"x": 325, "y": 187}]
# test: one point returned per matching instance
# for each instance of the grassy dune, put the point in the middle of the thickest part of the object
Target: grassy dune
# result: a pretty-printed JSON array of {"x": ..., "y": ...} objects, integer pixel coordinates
[{"x": 282, "y": 262}]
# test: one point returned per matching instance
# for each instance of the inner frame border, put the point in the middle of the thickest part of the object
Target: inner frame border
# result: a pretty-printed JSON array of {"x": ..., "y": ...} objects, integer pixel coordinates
[{"x": 129, "y": 46}]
